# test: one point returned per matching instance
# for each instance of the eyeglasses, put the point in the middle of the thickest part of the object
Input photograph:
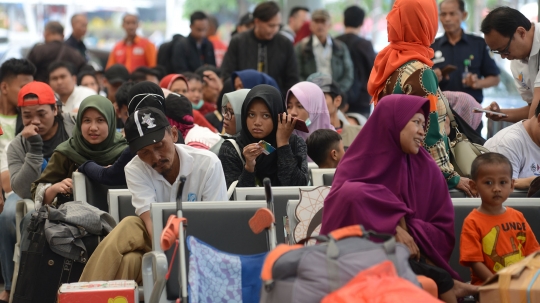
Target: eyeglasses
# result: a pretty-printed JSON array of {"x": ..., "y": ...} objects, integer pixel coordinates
[
  {"x": 227, "y": 113},
  {"x": 505, "y": 50}
]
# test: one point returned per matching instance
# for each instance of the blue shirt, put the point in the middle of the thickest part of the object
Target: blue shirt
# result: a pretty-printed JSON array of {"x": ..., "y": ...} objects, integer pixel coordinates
[{"x": 469, "y": 45}]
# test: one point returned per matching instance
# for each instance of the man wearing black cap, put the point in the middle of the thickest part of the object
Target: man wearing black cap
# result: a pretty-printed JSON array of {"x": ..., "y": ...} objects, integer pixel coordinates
[
  {"x": 115, "y": 76},
  {"x": 153, "y": 176}
]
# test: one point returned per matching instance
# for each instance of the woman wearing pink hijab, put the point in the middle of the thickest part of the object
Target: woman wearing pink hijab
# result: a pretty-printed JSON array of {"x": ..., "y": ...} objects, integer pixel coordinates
[{"x": 306, "y": 101}]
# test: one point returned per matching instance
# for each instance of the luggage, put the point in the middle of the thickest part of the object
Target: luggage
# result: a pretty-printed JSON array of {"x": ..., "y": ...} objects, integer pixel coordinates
[
  {"x": 307, "y": 274},
  {"x": 42, "y": 271},
  {"x": 515, "y": 283}
]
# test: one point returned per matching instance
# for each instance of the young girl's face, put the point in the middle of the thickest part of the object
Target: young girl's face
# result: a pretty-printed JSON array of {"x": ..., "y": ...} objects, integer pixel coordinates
[
  {"x": 195, "y": 91},
  {"x": 94, "y": 127},
  {"x": 179, "y": 87},
  {"x": 295, "y": 108}
]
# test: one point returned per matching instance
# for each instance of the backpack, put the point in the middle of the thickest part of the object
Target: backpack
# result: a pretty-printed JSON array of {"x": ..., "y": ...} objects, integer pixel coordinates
[
  {"x": 165, "y": 54},
  {"x": 307, "y": 274}
]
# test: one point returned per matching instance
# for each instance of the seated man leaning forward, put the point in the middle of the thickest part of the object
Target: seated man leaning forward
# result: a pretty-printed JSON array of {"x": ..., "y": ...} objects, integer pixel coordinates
[
  {"x": 520, "y": 143},
  {"x": 153, "y": 176}
]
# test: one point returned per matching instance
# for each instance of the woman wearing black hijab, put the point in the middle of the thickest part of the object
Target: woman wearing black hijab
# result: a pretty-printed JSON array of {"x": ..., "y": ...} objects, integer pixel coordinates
[{"x": 264, "y": 118}]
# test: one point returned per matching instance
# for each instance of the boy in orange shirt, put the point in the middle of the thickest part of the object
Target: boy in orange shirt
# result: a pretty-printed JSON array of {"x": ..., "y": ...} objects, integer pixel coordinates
[{"x": 493, "y": 236}]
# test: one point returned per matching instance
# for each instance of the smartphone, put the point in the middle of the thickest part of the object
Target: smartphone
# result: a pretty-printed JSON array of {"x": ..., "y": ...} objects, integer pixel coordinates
[
  {"x": 481, "y": 110},
  {"x": 301, "y": 126},
  {"x": 267, "y": 148},
  {"x": 445, "y": 71}
]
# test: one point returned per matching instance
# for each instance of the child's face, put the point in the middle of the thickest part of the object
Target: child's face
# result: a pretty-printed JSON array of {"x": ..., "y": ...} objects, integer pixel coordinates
[
  {"x": 194, "y": 94},
  {"x": 494, "y": 184}
]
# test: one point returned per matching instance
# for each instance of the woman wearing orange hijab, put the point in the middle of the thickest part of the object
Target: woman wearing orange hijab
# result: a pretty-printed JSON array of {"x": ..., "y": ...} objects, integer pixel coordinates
[{"x": 404, "y": 67}]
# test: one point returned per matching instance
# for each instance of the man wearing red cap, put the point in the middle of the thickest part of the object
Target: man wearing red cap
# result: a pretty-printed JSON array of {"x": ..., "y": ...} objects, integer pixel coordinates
[{"x": 28, "y": 154}]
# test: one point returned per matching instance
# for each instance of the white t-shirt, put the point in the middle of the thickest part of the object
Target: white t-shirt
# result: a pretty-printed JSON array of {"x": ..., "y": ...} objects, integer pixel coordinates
[
  {"x": 77, "y": 96},
  {"x": 8, "y": 124},
  {"x": 205, "y": 180},
  {"x": 525, "y": 72},
  {"x": 515, "y": 143}
]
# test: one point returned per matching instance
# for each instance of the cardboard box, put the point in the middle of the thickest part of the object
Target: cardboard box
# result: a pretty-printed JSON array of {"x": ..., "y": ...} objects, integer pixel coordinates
[
  {"x": 519, "y": 282},
  {"x": 99, "y": 292}
]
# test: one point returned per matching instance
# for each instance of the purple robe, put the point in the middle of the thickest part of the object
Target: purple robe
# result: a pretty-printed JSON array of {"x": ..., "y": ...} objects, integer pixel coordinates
[{"x": 376, "y": 184}]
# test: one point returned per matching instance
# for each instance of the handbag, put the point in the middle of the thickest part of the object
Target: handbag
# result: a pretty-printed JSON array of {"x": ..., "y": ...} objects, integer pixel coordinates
[{"x": 462, "y": 151}]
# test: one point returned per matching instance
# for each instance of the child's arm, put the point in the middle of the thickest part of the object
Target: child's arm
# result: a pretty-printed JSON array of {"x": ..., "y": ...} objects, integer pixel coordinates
[{"x": 480, "y": 270}]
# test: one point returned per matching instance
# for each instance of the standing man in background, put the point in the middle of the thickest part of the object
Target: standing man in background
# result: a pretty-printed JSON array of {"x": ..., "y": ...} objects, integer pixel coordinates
[
  {"x": 54, "y": 49},
  {"x": 263, "y": 49},
  {"x": 195, "y": 50},
  {"x": 79, "y": 24},
  {"x": 468, "y": 54},
  {"x": 297, "y": 17},
  {"x": 220, "y": 48},
  {"x": 362, "y": 56},
  {"x": 133, "y": 51}
]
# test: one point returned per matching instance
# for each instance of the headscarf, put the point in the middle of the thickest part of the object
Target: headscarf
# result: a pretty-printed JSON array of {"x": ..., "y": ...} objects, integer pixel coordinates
[
  {"x": 144, "y": 94},
  {"x": 266, "y": 164},
  {"x": 168, "y": 80},
  {"x": 312, "y": 99},
  {"x": 104, "y": 153},
  {"x": 179, "y": 112},
  {"x": 376, "y": 184},
  {"x": 251, "y": 78},
  {"x": 236, "y": 99},
  {"x": 412, "y": 26},
  {"x": 464, "y": 104}
]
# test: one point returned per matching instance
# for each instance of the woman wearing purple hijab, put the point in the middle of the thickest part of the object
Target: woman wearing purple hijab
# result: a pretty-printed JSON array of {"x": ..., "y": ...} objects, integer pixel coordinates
[
  {"x": 306, "y": 101},
  {"x": 390, "y": 184}
]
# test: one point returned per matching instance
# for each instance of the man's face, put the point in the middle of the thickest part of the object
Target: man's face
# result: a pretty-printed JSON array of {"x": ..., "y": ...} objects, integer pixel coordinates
[
  {"x": 41, "y": 116},
  {"x": 112, "y": 88},
  {"x": 296, "y": 21},
  {"x": 511, "y": 48},
  {"x": 80, "y": 24},
  {"x": 451, "y": 17},
  {"x": 267, "y": 30},
  {"x": 12, "y": 85},
  {"x": 199, "y": 28},
  {"x": 130, "y": 25},
  {"x": 320, "y": 27},
  {"x": 62, "y": 81},
  {"x": 121, "y": 112},
  {"x": 160, "y": 156}
]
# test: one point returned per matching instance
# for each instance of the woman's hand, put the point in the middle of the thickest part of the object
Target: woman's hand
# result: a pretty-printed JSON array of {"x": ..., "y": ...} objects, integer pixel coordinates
[
  {"x": 251, "y": 152},
  {"x": 403, "y": 237},
  {"x": 285, "y": 128},
  {"x": 63, "y": 187},
  {"x": 464, "y": 185}
]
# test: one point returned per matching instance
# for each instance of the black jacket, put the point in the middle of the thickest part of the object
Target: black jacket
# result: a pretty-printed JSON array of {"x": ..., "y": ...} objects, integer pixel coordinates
[
  {"x": 280, "y": 61},
  {"x": 186, "y": 57},
  {"x": 363, "y": 57},
  {"x": 42, "y": 55}
]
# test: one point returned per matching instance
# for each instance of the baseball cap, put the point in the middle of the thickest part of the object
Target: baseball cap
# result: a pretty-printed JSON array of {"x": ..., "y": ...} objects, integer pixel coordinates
[
  {"x": 325, "y": 82},
  {"x": 144, "y": 127},
  {"x": 44, "y": 93},
  {"x": 117, "y": 73},
  {"x": 320, "y": 14}
]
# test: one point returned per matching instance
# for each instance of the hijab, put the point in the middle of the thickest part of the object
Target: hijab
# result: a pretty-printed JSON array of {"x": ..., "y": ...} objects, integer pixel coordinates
[
  {"x": 464, "y": 104},
  {"x": 236, "y": 99},
  {"x": 146, "y": 94},
  {"x": 312, "y": 99},
  {"x": 251, "y": 78},
  {"x": 179, "y": 113},
  {"x": 168, "y": 80},
  {"x": 266, "y": 164},
  {"x": 412, "y": 26},
  {"x": 376, "y": 184},
  {"x": 104, "y": 153}
]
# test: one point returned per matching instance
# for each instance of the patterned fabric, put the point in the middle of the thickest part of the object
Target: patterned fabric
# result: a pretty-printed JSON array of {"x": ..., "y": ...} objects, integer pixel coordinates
[
  {"x": 464, "y": 104},
  {"x": 311, "y": 202},
  {"x": 417, "y": 78},
  {"x": 216, "y": 276}
]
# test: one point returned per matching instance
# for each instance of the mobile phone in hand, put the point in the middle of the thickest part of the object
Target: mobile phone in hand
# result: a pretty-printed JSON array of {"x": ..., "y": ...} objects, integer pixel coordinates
[
  {"x": 481, "y": 110},
  {"x": 301, "y": 126},
  {"x": 445, "y": 71},
  {"x": 267, "y": 148}
]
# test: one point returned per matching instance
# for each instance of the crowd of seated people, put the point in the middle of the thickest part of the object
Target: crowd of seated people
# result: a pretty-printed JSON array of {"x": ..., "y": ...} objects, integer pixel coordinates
[{"x": 133, "y": 125}]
